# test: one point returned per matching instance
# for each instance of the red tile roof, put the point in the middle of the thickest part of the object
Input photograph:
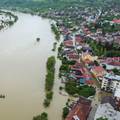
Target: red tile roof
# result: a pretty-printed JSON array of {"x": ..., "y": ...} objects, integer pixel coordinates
[
  {"x": 112, "y": 60},
  {"x": 72, "y": 52},
  {"x": 73, "y": 56},
  {"x": 114, "y": 63},
  {"x": 80, "y": 110},
  {"x": 116, "y": 21},
  {"x": 98, "y": 68},
  {"x": 77, "y": 65},
  {"x": 78, "y": 39},
  {"x": 68, "y": 43},
  {"x": 89, "y": 82}
]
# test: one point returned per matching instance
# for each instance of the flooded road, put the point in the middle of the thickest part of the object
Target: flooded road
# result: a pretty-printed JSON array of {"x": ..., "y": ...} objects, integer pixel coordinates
[{"x": 23, "y": 70}]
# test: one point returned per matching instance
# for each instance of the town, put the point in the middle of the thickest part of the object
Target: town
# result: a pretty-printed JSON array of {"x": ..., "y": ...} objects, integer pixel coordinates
[
  {"x": 90, "y": 56},
  {"x": 75, "y": 48}
]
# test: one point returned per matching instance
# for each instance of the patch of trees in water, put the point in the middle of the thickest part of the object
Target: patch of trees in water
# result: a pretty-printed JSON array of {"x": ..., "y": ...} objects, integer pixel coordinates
[
  {"x": 7, "y": 19},
  {"x": 43, "y": 116},
  {"x": 49, "y": 81},
  {"x": 2, "y": 96}
]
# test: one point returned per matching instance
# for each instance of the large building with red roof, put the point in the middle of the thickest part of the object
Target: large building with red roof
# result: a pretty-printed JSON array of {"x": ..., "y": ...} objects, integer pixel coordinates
[{"x": 80, "y": 110}]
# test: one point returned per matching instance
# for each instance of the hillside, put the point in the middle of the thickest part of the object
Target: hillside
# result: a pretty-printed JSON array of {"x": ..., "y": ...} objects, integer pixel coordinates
[{"x": 56, "y": 3}]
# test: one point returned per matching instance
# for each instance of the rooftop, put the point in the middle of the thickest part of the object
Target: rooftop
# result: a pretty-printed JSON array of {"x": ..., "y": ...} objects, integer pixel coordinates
[
  {"x": 116, "y": 21},
  {"x": 117, "y": 93},
  {"x": 110, "y": 100},
  {"x": 80, "y": 110},
  {"x": 68, "y": 43},
  {"x": 107, "y": 111},
  {"x": 112, "y": 77},
  {"x": 98, "y": 69}
]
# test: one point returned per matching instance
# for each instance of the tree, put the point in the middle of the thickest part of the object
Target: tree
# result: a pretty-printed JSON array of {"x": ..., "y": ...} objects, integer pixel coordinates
[
  {"x": 70, "y": 88},
  {"x": 65, "y": 112},
  {"x": 49, "y": 95},
  {"x": 43, "y": 116},
  {"x": 46, "y": 102},
  {"x": 116, "y": 71}
]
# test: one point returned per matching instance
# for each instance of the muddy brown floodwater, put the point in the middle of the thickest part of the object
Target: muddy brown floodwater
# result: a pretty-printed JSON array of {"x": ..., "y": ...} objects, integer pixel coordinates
[{"x": 23, "y": 70}]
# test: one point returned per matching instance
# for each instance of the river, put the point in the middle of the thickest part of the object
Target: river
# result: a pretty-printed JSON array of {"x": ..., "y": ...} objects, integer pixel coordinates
[{"x": 23, "y": 70}]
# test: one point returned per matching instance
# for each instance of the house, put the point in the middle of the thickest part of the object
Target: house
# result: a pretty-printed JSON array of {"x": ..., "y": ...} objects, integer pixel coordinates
[
  {"x": 111, "y": 62},
  {"x": 86, "y": 79},
  {"x": 68, "y": 43},
  {"x": 110, "y": 82},
  {"x": 76, "y": 66},
  {"x": 117, "y": 21},
  {"x": 78, "y": 39},
  {"x": 86, "y": 31},
  {"x": 110, "y": 67},
  {"x": 80, "y": 110},
  {"x": 81, "y": 74},
  {"x": 115, "y": 64},
  {"x": 98, "y": 71},
  {"x": 106, "y": 110},
  {"x": 65, "y": 31},
  {"x": 74, "y": 57},
  {"x": 71, "y": 55},
  {"x": 67, "y": 37},
  {"x": 86, "y": 48}
]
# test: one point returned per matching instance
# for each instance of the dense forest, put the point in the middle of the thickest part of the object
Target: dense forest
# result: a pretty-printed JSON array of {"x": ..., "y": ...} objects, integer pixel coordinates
[{"x": 55, "y": 3}]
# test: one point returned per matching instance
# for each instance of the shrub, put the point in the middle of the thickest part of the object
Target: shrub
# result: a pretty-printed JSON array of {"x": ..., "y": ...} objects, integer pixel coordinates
[
  {"x": 65, "y": 112},
  {"x": 43, "y": 116},
  {"x": 49, "y": 95},
  {"x": 46, "y": 102}
]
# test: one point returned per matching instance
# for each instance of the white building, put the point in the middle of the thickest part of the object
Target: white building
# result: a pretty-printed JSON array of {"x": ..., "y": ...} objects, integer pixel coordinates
[
  {"x": 117, "y": 97},
  {"x": 117, "y": 94},
  {"x": 106, "y": 110},
  {"x": 110, "y": 82},
  {"x": 111, "y": 67}
]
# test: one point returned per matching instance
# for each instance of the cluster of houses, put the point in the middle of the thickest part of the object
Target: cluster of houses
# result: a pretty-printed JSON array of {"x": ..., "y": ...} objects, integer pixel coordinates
[
  {"x": 110, "y": 105},
  {"x": 86, "y": 68},
  {"x": 89, "y": 67},
  {"x": 75, "y": 49},
  {"x": 107, "y": 109},
  {"x": 109, "y": 37},
  {"x": 111, "y": 81},
  {"x": 73, "y": 12}
]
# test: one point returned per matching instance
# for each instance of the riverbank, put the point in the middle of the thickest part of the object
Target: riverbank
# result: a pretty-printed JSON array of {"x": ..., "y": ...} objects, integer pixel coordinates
[{"x": 7, "y": 19}]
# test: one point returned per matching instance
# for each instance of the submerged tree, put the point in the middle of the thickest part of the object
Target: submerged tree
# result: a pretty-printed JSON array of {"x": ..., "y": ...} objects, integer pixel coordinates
[{"x": 43, "y": 116}]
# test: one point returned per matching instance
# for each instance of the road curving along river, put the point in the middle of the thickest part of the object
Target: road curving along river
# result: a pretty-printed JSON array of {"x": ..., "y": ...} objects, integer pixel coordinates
[{"x": 23, "y": 70}]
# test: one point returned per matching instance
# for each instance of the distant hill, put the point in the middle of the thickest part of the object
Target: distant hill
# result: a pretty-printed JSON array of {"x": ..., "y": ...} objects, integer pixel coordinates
[{"x": 55, "y": 3}]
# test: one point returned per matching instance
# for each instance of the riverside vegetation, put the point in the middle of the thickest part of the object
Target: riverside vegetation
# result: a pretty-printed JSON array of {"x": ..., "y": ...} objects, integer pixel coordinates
[
  {"x": 55, "y": 31},
  {"x": 43, "y": 116},
  {"x": 7, "y": 19},
  {"x": 49, "y": 81}
]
